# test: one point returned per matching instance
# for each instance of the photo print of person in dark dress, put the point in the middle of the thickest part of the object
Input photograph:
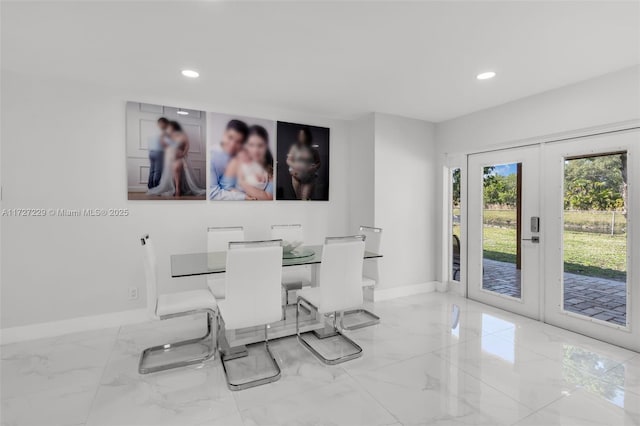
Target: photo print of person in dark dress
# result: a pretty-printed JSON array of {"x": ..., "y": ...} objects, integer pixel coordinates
[{"x": 303, "y": 162}]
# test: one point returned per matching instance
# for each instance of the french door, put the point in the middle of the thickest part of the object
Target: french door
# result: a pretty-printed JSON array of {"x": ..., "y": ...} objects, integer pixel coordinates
[
  {"x": 591, "y": 210},
  {"x": 504, "y": 238},
  {"x": 552, "y": 233}
]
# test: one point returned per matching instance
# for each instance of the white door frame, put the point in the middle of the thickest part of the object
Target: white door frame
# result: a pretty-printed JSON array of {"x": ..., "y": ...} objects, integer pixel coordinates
[
  {"x": 454, "y": 162},
  {"x": 529, "y": 302},
  {"x": 628, "y": 141},
  {"x": 543, "y": 141}
]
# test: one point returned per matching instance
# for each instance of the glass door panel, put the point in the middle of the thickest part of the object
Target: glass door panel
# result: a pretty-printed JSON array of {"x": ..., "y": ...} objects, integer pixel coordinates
[
  {"x": 591, "y": 204},
  {"x": 503, "y": 251},
  {"x": 595, "y": 237},
  {"x": 501, "y": 229},
  {"x": 456, "y": 235}
]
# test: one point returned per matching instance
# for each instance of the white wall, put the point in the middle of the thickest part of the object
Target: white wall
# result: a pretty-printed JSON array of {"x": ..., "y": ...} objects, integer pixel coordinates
[
  {"x": 609, "y": 99},
  {"x": 405, "y": 199},
  {"x": 361, "y": 172},
  {"x": 63, "y": 147}
]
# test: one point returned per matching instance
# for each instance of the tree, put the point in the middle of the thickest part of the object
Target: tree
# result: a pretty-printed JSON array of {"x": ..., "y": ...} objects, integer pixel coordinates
[
  {"x": 499, "y": 189},
  {"x": 455, "y": 183},
  {"x": 623, "y": 171},
  {"x": 595, "y": 183}
]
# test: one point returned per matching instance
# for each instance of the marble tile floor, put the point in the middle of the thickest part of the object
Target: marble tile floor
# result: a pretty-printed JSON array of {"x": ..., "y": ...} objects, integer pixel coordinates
[{"x": 434, "y": 359}]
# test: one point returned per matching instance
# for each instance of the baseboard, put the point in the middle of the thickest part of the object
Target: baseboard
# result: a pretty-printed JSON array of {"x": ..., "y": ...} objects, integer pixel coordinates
[
  {"x": 402, "y": 291},
  {"x": 117, "y": 319},
  {"x": 457, "y": 288},
  {"x": 74, "y": 325}
]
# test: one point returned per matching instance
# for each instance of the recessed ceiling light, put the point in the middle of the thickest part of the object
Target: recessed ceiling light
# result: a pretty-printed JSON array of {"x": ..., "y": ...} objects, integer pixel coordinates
[
  {"x": 486, "y": 75},
  {"x": 191, "y": 73},
  {"x": 182, "y": 112}
]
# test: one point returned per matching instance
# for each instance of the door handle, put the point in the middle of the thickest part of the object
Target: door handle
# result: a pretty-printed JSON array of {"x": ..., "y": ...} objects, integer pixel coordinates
[{"x": 533, "y": 239}]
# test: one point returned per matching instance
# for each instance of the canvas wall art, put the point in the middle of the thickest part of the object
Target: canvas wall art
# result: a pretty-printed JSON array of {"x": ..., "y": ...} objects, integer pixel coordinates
[
  {"x": 302, "y": 162},
  {"x": 241, "y": 162},
  {"x": 166, "y": 155}
]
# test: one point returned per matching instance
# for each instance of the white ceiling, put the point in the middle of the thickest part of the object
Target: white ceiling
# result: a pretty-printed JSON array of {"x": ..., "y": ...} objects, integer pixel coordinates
[{"x": 337, "y": 59}]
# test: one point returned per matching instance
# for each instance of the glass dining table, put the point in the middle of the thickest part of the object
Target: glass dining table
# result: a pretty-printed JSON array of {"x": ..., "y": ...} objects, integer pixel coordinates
[
  {"x": 187, "y": 265},
  {"x": 212, "y": 263}
]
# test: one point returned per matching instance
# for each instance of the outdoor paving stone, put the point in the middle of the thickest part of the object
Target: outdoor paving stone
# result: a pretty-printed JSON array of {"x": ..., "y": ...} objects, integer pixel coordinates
[
  {"x": 585, "y": 295},
  {"x": 591, "y": 311},
  {"x": 584, "y": 305},
  {"x": 604, "y": 316}
]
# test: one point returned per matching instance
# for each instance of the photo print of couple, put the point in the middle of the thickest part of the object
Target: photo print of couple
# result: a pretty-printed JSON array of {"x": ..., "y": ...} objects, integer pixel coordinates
[{"x": 241, "y": 162}]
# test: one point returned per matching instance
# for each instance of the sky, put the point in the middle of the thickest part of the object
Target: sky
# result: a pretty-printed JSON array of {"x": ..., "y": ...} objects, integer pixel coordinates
[{"x": 505, "y": 169}]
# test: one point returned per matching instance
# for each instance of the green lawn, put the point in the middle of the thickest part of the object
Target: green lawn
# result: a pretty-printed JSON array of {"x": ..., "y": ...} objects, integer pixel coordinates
[
  {"x": 586, "y": 253},
  {"x": 597, "y": 255}
]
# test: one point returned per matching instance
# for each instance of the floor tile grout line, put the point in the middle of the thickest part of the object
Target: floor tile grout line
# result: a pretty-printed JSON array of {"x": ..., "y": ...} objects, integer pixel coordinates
[
  {"x": 637, "y": 355},
  {"x": 409, "y": 358},
  {"x": 616, "y": 363},
  {"x": 455, "y": 393},
  {"x": 380, "y": 403},
  {"x": 542, "y": 408},
  {"x": 306, "y": 390},
  {"x": 446, "y": 346},
  {"x": 487, "y": 384},
  {"x": 483, "y": 382},
  {"x": 104, "y": 369}
]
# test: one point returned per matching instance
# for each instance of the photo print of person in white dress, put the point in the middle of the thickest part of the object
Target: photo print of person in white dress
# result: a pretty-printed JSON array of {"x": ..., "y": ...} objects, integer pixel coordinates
[
  {"x": 176, "y": 177},
  {"x": 166, "y": 153}
]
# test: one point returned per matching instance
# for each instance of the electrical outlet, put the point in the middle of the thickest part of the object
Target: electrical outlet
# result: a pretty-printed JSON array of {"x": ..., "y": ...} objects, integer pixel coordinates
[{"x": 133, "y": 293}]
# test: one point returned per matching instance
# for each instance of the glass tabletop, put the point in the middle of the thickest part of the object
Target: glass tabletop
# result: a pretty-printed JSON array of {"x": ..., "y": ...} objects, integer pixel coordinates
[
  {"x": 185, "y": 265},
  {"x": 298, "y": 253}
]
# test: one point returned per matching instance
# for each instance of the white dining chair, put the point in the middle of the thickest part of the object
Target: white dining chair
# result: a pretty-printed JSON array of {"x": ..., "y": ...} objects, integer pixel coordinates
[
  {"x": 218, "y": 239},
  {"x": 370, "y": 277},
  {"x": 173, "y": 305},
  {"x": 294, "y": 278},
  {"x": 340, "y": 289},
  {"x": 254, "y": 275}
]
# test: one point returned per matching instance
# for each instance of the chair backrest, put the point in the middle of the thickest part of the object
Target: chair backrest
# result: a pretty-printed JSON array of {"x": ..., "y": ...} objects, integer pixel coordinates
[
  {"x": 218, "y": 239},
  {"x": 254, "y": 276},
  {"x": 150, "y": 274},
  {"x": 371, "y": 244},
  {"x": 373, "y": 238},
  {"x": 288, "y": 233},
  {"x": 341, "y": 273}
]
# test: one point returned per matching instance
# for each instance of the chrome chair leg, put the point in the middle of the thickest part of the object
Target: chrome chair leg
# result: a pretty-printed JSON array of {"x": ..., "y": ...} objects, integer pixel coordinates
[
  {"x": 328, "y": 330},
  {"x": 285, "y": 302},
  {"x": 373, "y": 321},
  {"x": 261, "y": 381},
  {"x": 172, "y": 346},
  {"x": 330, "y": 361},
  {"x": 289, "y": 287},
  {"x": 226, "y": 351}
]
